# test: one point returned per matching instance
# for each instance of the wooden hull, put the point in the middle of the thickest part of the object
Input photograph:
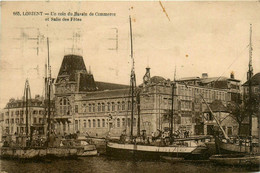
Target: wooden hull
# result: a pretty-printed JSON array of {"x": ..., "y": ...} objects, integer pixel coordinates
[
  {"x": 147, "y": 152},
  {"x": 31, "y": 153},
  {"x": 236, "y": 160},
  {"x": 235, "y": 148}
]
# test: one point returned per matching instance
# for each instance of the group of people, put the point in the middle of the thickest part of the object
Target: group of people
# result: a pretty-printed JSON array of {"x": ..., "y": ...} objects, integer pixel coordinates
[{"x": 181, "y": 134}]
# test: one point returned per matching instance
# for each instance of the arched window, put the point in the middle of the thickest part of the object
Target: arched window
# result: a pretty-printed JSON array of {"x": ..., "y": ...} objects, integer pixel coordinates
[
  {"x": 89, "y": 123},
  {"x": 94, "y": 123},
  {"x": 103, "y": 107},
  {"x": 89, "y": 107},
  {"x": 113, "y": 106},
  {"x": 99, "y": 107},
  {"x": 118, "y": 122},
  {"x": 123, "y": 122},
  {"x": 123, "y": 105},
  {"x": 118, "y": 106},
  {"x": 103, "y": 123},
  {"x": 85, "y": 123},
  {"x": 129, "y": 105},
  {"x": 84, "y": 107},
  {"x": 108, "y": 106},
  {"x": 98, "y": 122},
  {"x": 93, "y": 106}
]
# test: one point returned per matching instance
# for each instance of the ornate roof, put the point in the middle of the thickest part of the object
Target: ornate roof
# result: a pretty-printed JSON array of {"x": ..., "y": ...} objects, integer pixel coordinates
[{"x": 71, "y": 64}]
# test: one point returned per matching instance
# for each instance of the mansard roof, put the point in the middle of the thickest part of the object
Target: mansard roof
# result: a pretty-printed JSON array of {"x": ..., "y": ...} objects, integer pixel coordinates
[
  {"x": 72, "y": 64},
  {"x": 107, "y": 94},
  {"x": 101, "y": 86}
]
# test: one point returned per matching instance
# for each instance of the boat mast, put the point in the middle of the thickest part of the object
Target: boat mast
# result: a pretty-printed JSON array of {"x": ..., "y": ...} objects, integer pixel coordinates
[
  {"x": 132, "y": 82},
  {"x": 27, "y": 95},
  {"x": 48, "y": 92},
  {"x": 249, "y": 76},
  {"x": 172, "y": 101},
  {"x": 26, "y": 106}
]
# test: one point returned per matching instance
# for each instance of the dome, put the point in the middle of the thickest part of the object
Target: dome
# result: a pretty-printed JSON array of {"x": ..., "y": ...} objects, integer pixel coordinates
[{"x": 157, "y": 79}]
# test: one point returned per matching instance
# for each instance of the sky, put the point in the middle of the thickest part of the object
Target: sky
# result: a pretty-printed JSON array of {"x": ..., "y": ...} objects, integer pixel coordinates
[{"x": 195, "y": 38}]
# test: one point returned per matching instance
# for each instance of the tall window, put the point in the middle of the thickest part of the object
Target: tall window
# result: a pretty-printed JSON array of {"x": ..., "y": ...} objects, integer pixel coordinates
[
  {"x": 113, "y": 106},
  {"x": 98, "y": 122},
  {"x": 93, "y": 106},
  {"x": 89, "y": 123},
  {"x": 118, "y": 122},
  {"x": 99, "y": 107},
  {"x": 108, "y": 106},
  {"x": 123, "y": 122},
  {"x": 103, "y": 107},
  {"x": 123, "y": 105},
  {"x": 84, "y": 107},
  {"x": 129, "y": 105},
  {"x": 94, "y": 123},
  {"x": 85, "y": 123},
  {"x": 103, "y": 123},
  {"x": 118, "y": 106},
  {"x": 89, "y": 107}
]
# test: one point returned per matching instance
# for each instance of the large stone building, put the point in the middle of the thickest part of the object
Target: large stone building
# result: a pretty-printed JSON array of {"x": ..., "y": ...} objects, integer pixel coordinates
[{"x": 84, "y": 105}]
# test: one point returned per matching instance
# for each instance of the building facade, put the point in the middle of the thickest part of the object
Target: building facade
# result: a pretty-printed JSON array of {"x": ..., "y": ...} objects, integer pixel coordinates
[
  {"x": 84, "y": 105},
  {"x": 14, "y": 117}
]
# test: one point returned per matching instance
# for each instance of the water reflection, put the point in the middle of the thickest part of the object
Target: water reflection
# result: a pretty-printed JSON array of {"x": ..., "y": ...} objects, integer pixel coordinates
[{"x": 105, "y": 164}]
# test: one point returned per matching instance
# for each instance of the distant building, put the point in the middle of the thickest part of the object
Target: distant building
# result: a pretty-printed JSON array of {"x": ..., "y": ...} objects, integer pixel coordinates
[
  {"x": 14, "y": 117},
  {"x": 84, "y": 105},
  {"x": 231, "y": 84}
]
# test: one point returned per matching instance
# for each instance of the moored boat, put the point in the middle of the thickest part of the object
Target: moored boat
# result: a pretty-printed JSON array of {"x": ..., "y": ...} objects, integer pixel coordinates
[
  {"x": 189, "y": 150},
  {"x": 236, "y": 159}
]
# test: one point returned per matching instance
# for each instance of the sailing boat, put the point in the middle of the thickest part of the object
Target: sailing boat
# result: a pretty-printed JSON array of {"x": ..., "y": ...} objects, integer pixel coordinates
[
  {"x": 241, "y": 153},
  {"x": 135, "y": 150}
]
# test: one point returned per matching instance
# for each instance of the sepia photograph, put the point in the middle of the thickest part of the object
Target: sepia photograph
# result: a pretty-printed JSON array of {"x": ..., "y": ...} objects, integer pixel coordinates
[{"x": 129, "y": 86}]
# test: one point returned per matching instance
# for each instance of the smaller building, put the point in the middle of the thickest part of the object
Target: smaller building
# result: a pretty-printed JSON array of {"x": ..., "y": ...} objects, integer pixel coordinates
[
  {"x": 221, "y": 113},
  {"x": 14, "y": 116}
]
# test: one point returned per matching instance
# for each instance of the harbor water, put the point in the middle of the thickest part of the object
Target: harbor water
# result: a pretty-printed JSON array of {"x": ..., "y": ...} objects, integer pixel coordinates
[{"x": 104, "y": 164}]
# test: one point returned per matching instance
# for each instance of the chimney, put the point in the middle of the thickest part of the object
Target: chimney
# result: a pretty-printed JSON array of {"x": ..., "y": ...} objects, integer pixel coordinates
[
  {"x": 232, "y": 76},
  {"x": 204, "y": 75}
]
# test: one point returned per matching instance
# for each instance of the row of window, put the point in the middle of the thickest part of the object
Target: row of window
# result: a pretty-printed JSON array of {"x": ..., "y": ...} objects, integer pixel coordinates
[
  {"x": 207, "y": 94},
  {"x": 22, "y": 112},
  {"x": 21, "y": 120},
  {"x": 13, "y": 105},
  {"x": 102, "y": 107},
  {"x": 93, "y": 123}
]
